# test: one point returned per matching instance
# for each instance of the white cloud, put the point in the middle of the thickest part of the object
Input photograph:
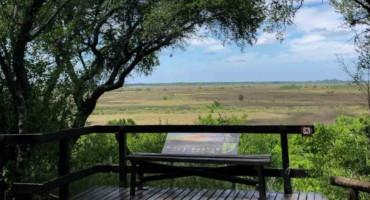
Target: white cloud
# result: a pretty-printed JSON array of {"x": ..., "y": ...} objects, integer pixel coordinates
[
  {"x": 214, "y": 48},
  {"x": 309, "y": 38},
  {"x": 201, "y": 41},
  {"x": 308, "y": 48},
  {"x": 244, "y": 58},
  {"x": 208, "y": 43},
  {"x": 319, "y": 18},
  {"x": 266, "y": 39},
  {"x": 319, "y": 35}
]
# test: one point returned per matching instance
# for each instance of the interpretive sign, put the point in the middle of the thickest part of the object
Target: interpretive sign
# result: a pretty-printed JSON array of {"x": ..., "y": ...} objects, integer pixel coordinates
[{"x": 201, "y": 143}]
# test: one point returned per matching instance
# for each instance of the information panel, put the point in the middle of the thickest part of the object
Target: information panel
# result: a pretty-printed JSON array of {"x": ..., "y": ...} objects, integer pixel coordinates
[{"x": 201, "y": 143}]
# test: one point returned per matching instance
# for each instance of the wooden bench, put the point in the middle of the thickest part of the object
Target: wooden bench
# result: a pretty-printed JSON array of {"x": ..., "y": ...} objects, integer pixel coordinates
[{"x": 201, "y": 148}]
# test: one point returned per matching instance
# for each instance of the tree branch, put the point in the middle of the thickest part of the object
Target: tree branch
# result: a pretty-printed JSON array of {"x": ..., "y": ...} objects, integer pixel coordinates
[
  {"x": 366, "y": 7},
  {"x": 48, "y": 22},
  {"x": 8, "y": 76}
]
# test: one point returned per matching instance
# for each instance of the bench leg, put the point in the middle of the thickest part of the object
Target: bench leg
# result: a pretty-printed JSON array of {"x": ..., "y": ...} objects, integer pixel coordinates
[
  {"x": 133, "y": 178},
  {"x": 261, "y": 183},
  {"x": 141, "y": 175}
]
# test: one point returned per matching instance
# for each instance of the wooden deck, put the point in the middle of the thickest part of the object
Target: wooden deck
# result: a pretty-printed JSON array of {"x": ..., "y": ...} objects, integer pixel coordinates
[{"x": 152, "y": 193}]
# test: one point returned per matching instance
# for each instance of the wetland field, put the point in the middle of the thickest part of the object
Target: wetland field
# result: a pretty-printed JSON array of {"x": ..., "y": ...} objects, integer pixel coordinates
[{"x": 263, "y": 103}]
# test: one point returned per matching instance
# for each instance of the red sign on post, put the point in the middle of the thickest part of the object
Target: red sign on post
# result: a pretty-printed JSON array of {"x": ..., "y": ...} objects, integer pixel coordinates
[{"x": 306, "y": 131}]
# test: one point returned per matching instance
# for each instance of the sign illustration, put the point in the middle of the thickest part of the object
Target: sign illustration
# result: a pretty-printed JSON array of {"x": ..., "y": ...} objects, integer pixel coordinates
[{"x": 201, "y": 143}]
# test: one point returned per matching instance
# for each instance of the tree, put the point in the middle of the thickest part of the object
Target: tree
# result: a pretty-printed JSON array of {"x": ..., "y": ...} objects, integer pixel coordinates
[
  {"x": 357, "y": 16},
  {"x": 58, "y": 57},
  {"x": 361, "y": 76}
]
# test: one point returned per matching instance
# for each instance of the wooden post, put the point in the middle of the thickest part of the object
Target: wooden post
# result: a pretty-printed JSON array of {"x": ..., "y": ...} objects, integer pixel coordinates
[
  {"x": 286, "y": 169},
  {"x": 133, "y": 178},
  {"x": 353, "y": 194},
  {"x": 123, "y": 151},
  {"x": 63, "y": 167},
  {"x": 261, "y": 183}
]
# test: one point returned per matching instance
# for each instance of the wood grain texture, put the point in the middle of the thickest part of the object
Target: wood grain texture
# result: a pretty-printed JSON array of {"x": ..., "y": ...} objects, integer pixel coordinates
[{"x": 152, "y": 193}]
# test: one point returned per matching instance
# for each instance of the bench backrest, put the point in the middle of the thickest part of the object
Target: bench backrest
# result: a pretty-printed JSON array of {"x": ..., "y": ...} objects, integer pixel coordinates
[{"x": 201, "y": 143}]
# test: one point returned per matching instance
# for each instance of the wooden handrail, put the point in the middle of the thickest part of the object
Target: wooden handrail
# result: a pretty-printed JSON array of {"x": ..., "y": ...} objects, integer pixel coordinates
[
  {"x": 350, "y": 183},
  {"x": 76, "y": 132},
  {"x": 353, "y": 185}
]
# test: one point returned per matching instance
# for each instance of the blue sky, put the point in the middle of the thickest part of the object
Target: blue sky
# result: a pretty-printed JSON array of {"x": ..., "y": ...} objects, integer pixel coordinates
[{"x": 307, "y": 53}]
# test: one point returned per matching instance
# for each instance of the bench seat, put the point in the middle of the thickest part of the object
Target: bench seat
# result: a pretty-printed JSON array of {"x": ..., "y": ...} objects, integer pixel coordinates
[
  {"x": 250, "y": 159},
  {"x": 257, "y": 161}
]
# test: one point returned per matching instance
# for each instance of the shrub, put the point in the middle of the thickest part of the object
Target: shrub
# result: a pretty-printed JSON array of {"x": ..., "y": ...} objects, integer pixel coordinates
[
  {"x": 240, "y": 97},
  {"x": 215, "y": 105},
  {"x": 293, "y": 86},
  {"x": 221, "y": 120},
  {"x": 339, "y": 149}
]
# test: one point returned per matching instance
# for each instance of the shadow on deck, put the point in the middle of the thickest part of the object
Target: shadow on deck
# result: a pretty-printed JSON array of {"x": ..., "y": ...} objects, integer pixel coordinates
[{"x": 153, "y": 193}]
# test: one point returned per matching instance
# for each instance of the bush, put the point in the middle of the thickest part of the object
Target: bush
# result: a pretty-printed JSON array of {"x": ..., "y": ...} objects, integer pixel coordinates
[
  {"x": 240, "y": 97},
  {"x": 221, "y": 120},
  {"x": 216, "y": 105},
  {"x": 340, "y": 149},
  {"x": 293, "y": 86}
]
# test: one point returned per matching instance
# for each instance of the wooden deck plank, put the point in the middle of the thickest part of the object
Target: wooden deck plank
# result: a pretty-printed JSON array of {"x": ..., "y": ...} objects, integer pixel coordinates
[
  {"x": 255, "y": 196},
  {"x": 216, "y": 194},
  {"x": 199, "y": 194},
  {"x": 318, "y": 196},
  {"x": 97, "y": 187},
  {"x": 115, "y": 192},
  {"x": 191, "y": 194},
  {"x": 158, "y": 194},
  {"x": 121, "y": 192},
  {"x": 311, "y": 196},
  {"x": 174, "y": 194},
  {"x": 271, "y": 195},
  {"x": 294, "y": 196},
  {"x": 166, "y": 194},
  {"x": 153, "y": 193},
  {"x": 280, "y": 196},
  {"x": 241, "y": 195},
  {"x": 302, "y": 196},
  {"x": 184, "y": 194},
  {"x": 103, "y": 193},
  {"x": 233, "y": 195},
  {"x": 249, "y": 195},
  {"x": 150, "y": 193},
  {"x": 207, "y": 195},
  {"x": 140, "y": 194},
  {"x": 224, "y": 195},
  {"x": 92, "y": 194}
]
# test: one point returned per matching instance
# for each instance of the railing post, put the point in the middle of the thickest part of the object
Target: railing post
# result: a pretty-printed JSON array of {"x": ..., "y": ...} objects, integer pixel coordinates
[
  {"x": 286, "y": 167},
  {"x": 353, "y": 194},
  {"x": 63, "y": 167},
  {"x": 123, "y": 151}
]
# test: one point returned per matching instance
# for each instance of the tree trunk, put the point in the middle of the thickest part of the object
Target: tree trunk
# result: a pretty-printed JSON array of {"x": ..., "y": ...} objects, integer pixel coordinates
[{"x": 22, "y": 149}]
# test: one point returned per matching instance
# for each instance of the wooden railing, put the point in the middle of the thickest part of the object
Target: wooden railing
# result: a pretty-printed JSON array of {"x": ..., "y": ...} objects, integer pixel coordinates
[
  {"x": 354, "y": 186},
  {"x": 26, "y": 190}
]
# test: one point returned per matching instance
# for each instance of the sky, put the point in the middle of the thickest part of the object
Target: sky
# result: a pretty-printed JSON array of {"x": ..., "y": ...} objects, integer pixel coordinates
[{"x": 308, "y": 53}]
